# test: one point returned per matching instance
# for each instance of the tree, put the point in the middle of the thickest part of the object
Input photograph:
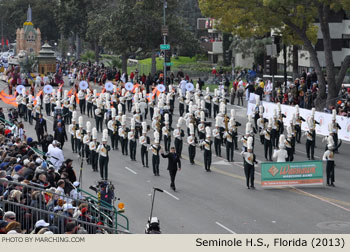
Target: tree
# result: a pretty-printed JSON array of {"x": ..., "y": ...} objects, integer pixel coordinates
[{"x": 295, "y": 20}]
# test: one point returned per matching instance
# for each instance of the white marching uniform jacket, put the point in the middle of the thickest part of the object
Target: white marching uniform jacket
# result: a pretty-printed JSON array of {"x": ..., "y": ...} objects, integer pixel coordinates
[
  {"x": 143, "y": 140},
  {"x": 177, "y": 134},
  {"x": 216, "y": 133},
  {"x": 328, "y": 155},
  {"x": 281, "y": 155},
  {"x": 92, "y": 145},
  {"x": 191, "y": 140}
]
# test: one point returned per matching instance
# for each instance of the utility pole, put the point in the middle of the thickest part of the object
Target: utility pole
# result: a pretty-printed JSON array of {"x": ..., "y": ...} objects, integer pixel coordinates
[{"x": 165, "y": 5}]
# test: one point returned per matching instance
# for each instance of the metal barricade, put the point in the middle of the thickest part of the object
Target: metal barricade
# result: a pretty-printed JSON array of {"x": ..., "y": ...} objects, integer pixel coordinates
[{"x": 36, "y": 202}]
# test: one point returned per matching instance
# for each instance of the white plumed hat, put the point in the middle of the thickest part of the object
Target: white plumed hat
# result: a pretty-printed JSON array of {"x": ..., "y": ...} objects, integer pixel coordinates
[
  {"x": 282, "y": 141},
  {"x": 81, "y": 121},
  {"x": 179, "y": 122},
  {"x": 132, "y": 123},
  {"x": 166, "y": 118},
  {"x": 156, "y": 136},
  {"x": 334, "y": 114},
  {"x": 94, "y": 133},
  {"x": 105, "y": 135},
  {"x": 207, "y": 131},
  {"x": 74, "y": 116},
  {"x": 144, "y": 127},
  {"x": 191, "y": 126},
  {"x": 88, "y": 126},
  {"x": 114, "y": 112}
]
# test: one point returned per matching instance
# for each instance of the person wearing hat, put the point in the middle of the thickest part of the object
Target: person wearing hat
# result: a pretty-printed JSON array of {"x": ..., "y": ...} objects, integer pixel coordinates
[
  {"x": 24, "y": 105},
  {"x": 298, "y": 121},
  {"x": 47, "y": 103},
  {"x": 192, "y": 142},
  {"x": 328, "y": 156},
  {"x": 132, "y": 140},
  {"x": 123, "y": 136},
  {"x": 40, "y": 224},
  {"x": 113, "y": 130},
  {"x": 207, "y": 143},
  {"x": 281, "y": 154},
  {"x": 228, "y": 135},
  {"x": 249, "y": 159},
  {"x": 257, "y": 110},
  {"x": 217, "y": 137},
  {"x": 268, "y": 141},
  {"x": 181, "y": 102},
  {"x": 216, "y": 102},
  {"x": 93, "y": 150},
  {"x": 289, "y": 144},
  {"x": 30, "y": 105},
  {"x": 99, "y": 114},
  {"x": 166, "y": 132},
  {"x": 3, "y": 225},
  {"x": 81, "y": 97},
  {"x": 72, "y": 129},
  {"x": 201, "y": 127},
  {"x": 80, "y": 133},
  {"x": 103, "y": 150},
  {"x": 155, "y": 148},
  {"x": 71, "y": 108},
  {"x": 311, "y": 136},
  {"x": 208, "y": 99},
  {"x": 335, "y": 126},
  {"x": 89, "y": 99},
  {"x": 86, "y": 141},
  {"x": 275, "y": 131},
  {"x": 178, "y": 135},
  {"x": 144, "y": 141}
]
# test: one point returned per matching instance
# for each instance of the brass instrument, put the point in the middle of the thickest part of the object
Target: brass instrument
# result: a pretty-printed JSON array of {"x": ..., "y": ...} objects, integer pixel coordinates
[
  {"x": 226, "y": 121},
  {"x": 158, "y": 125},
  {"x": 115, "y": 127}
]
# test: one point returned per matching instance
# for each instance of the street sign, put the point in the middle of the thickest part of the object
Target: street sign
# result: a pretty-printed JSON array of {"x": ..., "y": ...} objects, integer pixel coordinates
[
  {"x": 164, "y": 47},
  {"x": 169, "y": 63},
  {"x": 165, "y": 30}
]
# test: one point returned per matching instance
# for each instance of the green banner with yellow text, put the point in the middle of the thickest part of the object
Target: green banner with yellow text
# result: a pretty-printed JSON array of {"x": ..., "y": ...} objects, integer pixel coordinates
[{"x": 279, "y": 174}]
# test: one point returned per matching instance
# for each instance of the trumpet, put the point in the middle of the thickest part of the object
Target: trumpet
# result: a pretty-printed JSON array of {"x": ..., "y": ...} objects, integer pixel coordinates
[{"x": 226, "y": 120}]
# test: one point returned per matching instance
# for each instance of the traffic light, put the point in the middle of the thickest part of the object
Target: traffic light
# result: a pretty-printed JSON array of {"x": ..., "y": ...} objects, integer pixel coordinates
[
  {"x": 270, "y": 65},
  {"x": 167, "y": 59},
  {"x": 167, "y": 56}
]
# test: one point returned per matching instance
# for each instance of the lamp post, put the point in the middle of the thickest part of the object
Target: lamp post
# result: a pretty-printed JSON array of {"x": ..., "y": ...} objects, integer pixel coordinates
[
  {"x": 165, "y": 5},
  {"x": 68, "y": 55}
]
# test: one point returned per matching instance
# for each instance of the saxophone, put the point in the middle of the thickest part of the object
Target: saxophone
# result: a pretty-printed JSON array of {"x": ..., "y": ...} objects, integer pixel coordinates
[
  {"x": 158, "y": 125},
  {"x": 115, "y": 127},
  {"x": 226, "y": 120}
]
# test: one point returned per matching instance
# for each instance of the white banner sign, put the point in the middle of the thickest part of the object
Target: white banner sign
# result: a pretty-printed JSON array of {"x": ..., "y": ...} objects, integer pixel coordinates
[{"x": 323, "y": 118}]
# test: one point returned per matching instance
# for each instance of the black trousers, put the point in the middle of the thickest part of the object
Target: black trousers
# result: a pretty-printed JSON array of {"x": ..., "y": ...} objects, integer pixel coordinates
[
  {"x": 181, "y": 109},
  {"x": 229, "y": 151},
  {"x": 167, "y": 142},
  {"x": 104, "y": 167},
  {"x": 72, "y": 142},
  {"x": 217, "y": 144},
  {"x": 87, "y": 153},
  {"x": 335, "y": 138},
  {"x": 172, "y": 174},
  {"x": 178, "y": 146},
  {"x": 129, "y": 103},
  {"x": 94, "y": 160},
  {"x": 151, "y": 111},
  {"x": 25, "y": 113},
  {"x": 208, "y": 107},
  {"x": 274, "y": 138},
  {"x": 132, "y": 146},
  {"x": 99, "y": 121},
  {"x": 65, "y": 112},
  {"x": 249, "y": 174},
  {"x": 124, "y": 142},
  {"x": 82, "y": 106},
  {"x": 290, "y": 154},
  {"x": 93, "y": 109},
  {"x": 114, "y": 139},
  {"x": 191, "y": 153},
  {"x": 310, "y": 145},
  {"x": 207, "y": 160},
  {"x": 298, "y": 133},
  {"x": 330, "y": 172},
  {"x": 89, "y": 109},
  {"x": 30, "y": 117},
  {"x": 293, "y": 144},
  {"x": 146, "y": 113},
  {"x": 47, "y": 109},
  {"x": 144, "y": 155},
  {"x": 268, "y": 148},
  {"x": 216, "y": 109},
  {"x": 155, "y": 164},
  {"x": 78, "y": 145},
  {"x": 70, "y": 115}
]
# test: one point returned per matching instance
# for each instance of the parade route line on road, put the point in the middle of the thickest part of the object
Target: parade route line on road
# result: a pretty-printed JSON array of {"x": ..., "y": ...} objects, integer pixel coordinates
[
  {"x": 226, "y": 228},
  {"x": 171, "y": 195},
  {"x": 130, "y": 170}
]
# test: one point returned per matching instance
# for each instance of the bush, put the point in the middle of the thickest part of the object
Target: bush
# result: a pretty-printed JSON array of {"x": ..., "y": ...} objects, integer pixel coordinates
[{"x": 88, "y": 55}]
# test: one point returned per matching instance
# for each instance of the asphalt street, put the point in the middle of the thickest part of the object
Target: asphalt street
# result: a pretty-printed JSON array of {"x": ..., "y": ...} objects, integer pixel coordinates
[{"x": 219, "y": 202}]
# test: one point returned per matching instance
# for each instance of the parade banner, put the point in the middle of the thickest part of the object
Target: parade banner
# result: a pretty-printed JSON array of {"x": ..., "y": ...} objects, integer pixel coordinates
[
  {"x": 277, "y": 174},
  {"x": 323, "y": 118}
]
